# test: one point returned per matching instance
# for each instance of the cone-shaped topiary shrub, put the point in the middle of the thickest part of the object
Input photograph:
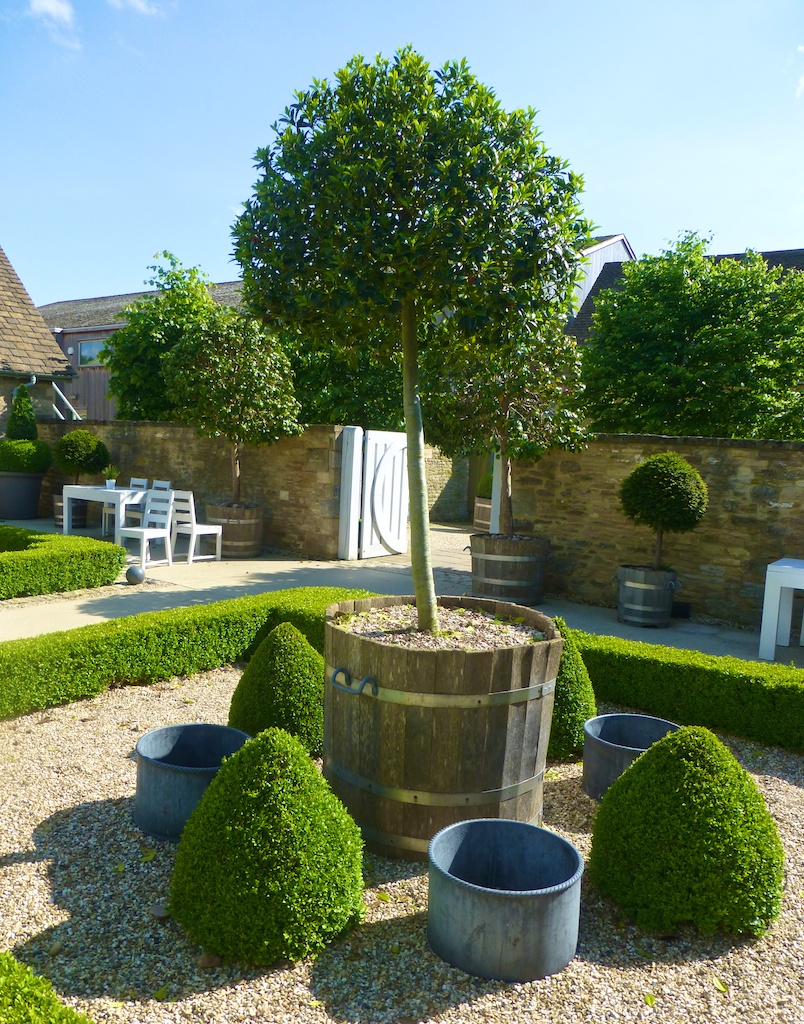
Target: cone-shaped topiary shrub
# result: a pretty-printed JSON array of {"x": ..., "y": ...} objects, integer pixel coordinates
[
  {"x": 684, "y": 836},
  {"x": 574, "y": 700},
  {"x": 282, "y": 686},
  {"x": 21, "y": 422},
  {"x": 269, "y": 864}
]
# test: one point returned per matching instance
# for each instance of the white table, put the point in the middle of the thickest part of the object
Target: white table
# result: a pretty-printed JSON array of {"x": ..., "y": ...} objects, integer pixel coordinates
[
  {"x": 117, "y": 496},
  {"x": 782, "y": 579}
]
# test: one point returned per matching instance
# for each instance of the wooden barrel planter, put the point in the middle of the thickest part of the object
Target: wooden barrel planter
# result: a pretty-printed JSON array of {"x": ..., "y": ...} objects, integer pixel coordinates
[
  {"x": 241, "y": 536},
  {"x": 482, "y": 515},
  {"x": 645, "y": 596},
  {"x": 415, "y": 740},
  {"x": 79, "y": 514},
  {"x": 508, "y": 568}
]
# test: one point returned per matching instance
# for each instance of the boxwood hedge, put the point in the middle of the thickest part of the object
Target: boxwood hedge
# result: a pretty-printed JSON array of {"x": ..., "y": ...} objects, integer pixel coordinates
[
  {"x": 56, "y": 668},
  {"x": 25, "y": 998},
  {"x": 760, "y": 701},
  {"x": 48, "y": 563}
]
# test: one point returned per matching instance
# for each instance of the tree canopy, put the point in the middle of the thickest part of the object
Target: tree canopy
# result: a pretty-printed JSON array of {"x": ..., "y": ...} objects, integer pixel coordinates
[
  {"x": 694, "y": 345},
  {"x": 395, "y": 194}
]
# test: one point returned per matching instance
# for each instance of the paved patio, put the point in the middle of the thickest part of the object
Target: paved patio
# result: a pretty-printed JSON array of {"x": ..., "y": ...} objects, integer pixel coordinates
[{"x": 202, "y": 582}]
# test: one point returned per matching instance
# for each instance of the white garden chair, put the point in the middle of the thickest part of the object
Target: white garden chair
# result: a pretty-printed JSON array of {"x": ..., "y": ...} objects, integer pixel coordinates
[
  {"x": 156, "y": 522},
  {"x": 185, "y": 523},
  {"x": 135, "y": 511}
]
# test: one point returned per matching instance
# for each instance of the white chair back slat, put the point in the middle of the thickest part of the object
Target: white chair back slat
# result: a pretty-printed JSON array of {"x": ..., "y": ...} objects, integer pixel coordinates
[{"x": 158, "y": 510}]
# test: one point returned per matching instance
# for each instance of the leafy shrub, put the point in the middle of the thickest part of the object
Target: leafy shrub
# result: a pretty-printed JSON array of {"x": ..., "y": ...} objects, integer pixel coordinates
[
  {"x": 282, "y": 686},
  {"x": 80, "y": 451},
  {"x": 269, "y": 864},
  {"x": 761, "y": 701},
  {"x": 684, "y": 836},
  {"x": 485, "y": 485},
  {"x": 26, "y": 998},
  {"x": 21, "y": 422},
  {"x": 56, "y": 668},
  {"x": 24, "y": 456},
  {"x": 48, "y": 563},
  {"x": 574, "y": 700}
]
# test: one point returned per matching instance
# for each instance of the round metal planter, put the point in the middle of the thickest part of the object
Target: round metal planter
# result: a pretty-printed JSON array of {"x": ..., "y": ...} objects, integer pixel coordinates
[
  {"x": 175, "y": 765},
  {"x": 612, "y": 742},
  {"x": 504, "y": 900}
]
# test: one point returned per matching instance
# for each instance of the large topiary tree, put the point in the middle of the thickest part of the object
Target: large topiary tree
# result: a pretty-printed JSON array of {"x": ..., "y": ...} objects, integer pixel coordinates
[
  {"x": 269, "y": 864},
  {"x": 80, "y": 451},
  {"x": 665, "y": 493},
  {"x": 21, "y": 422},
  {"x": 282, "y": 686},
  {"x": 395, "y": 194},
  {"x": 684, "y": 836}
]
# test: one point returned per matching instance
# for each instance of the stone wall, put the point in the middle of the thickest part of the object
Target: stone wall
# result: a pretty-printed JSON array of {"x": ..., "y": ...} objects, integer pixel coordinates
[
  {"x": 756, "y": 515},
  {"x": 296, "y": 480}
]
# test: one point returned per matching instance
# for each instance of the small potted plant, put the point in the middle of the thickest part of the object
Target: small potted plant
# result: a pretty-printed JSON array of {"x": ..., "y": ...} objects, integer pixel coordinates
[
  {"x": 109, "y": 474},
  {"x": 76, "y": 452},
  {"x": 668, "y": 495},
  {"x": 23, "y": 460}
]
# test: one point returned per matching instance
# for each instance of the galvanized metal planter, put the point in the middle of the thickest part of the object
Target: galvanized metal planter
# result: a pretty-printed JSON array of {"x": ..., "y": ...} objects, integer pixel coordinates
[
  {"x": 19, "y": 495},
  {"x": 417, "y": 739},
  {"x": 504, "y": 899},
  {"x": 613, "y": 742}
]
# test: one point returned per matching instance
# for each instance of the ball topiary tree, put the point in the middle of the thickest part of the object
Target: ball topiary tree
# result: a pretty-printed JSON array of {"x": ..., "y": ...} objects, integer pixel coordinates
[
  {"x": 21, "y": 422},
  {"x": 574, "y": 700},
  {"x": 665, "y": 493},
  {"x": 684, "y": 836},
  {"x": 282, "y": 686},
  {"x": 80, "y": 451},
  {"x": 269, "y": 865}
]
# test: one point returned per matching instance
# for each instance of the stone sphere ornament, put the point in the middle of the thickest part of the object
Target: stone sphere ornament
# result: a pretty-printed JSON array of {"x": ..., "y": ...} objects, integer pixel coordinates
[{"x": 135, "y": 574}]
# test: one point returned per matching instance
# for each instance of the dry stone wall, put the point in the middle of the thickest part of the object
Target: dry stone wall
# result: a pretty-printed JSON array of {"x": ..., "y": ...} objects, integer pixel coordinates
[
  {"x": 296, "y": 480},
  {"x": 756, "y": 515}
]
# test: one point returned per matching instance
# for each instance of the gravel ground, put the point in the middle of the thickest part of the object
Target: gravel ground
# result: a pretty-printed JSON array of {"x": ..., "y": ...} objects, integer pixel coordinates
[{"x": 80, "y": 884}]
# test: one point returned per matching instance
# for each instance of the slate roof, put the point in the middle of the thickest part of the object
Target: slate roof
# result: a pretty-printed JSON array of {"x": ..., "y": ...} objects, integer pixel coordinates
[
  {"x": 102, "y": 312},
  {"x": 26, "y": 345},
  {"x": 611, "y": 276}
]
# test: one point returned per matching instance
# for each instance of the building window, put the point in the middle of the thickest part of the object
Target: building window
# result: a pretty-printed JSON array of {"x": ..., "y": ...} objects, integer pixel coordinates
[{"x": 89, "y": 352}]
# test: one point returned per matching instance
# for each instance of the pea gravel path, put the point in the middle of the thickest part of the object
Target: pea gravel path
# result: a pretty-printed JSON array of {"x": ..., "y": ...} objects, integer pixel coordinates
[{"x": 78, "y": 884}]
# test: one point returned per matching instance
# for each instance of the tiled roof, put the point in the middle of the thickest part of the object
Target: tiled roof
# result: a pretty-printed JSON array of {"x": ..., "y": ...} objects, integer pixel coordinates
[
  {"x": 611, "y": 276},
  {"x": 26, "y": 345},
  {"x": 103, "y": 311}
]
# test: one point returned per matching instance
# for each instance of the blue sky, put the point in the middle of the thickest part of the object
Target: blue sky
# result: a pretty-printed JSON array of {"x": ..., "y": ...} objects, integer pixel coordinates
[{"x": 130, "y": 126}]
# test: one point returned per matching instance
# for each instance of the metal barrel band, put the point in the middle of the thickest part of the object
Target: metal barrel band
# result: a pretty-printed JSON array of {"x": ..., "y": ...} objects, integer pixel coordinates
[
  {"x": 670, "y": 585},
  {"x": 373, "y": 835},
  {"x": 414, "y": 698},
  {"x": 425, "y": 799},
  {"x": 503, "y": 583}
]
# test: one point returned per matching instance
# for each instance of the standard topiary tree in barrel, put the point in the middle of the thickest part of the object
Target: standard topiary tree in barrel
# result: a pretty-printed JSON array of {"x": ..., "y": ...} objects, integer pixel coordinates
[
  {"x": 80, "y": 451},
  {"x": 393, "y": 197},
  {"x": 282, "y": 686},
  {"x": 683, "y": 836},
  {"x": 269, "y": 865},
  {"x": 665, "y": 493}
]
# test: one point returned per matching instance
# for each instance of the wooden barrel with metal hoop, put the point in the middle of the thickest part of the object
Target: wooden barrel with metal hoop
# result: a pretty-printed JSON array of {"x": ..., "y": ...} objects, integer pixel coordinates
[
  {"x": 241, "y": 536},
  {"x": 416, "y": 739},
  {"x": 509, "y": 568}
]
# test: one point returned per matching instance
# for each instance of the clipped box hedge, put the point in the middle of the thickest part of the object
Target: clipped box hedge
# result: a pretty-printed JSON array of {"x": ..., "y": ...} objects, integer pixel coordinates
[
  {"x": 56, "y": 668},
  {"x": 760, "y": 701},
  {"x": 49, "y": 563}
]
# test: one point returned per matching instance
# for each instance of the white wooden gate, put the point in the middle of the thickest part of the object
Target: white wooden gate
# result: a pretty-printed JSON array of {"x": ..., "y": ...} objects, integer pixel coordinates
[{"x": 374, "y": 494}]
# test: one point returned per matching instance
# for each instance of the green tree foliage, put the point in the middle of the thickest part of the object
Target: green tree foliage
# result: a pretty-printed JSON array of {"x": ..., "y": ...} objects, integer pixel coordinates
[
  {"x": 698, "y": 346},
  {"x": 574, "y": 700},
  {"x": 518, "y": 388},
  {"x": 665, "y": 493},
  {"x": 282, "y": 686},
  {"x": 270, "y": 863},
  {"x": 684, "y": 836},
  {"x": 231, "y": 379},
  {"x": 394, "y": 193},
  {"x": 21, "y": 422},
  {"x": 155, "y": 325},
  {"x": 80, "y": 451}
]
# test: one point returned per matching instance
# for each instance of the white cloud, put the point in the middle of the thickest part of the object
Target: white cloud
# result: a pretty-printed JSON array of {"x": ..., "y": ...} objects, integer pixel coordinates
[
  {"x": 59, "y": 12},
  {"x": 140, "y": 6}
]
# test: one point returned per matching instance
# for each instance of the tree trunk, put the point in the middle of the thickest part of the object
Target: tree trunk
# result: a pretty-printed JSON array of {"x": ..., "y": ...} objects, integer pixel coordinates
[
  {"x": 657, "y": 551},
  {"x": 420, "y": 559},
  {"x": 234, "y": 451},
  {"x": 506, "y": 526}
]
